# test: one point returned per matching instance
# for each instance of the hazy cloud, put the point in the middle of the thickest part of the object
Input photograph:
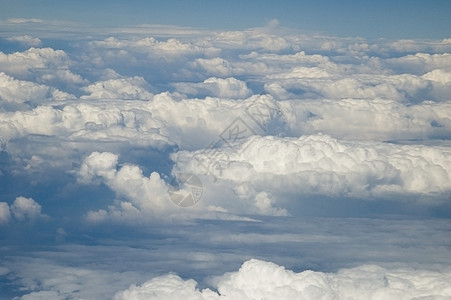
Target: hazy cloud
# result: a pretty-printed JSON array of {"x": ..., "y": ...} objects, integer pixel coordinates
[{"x": 26, "y": 39}]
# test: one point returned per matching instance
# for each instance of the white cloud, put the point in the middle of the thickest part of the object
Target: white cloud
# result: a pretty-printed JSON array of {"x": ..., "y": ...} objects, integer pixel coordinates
[
  {"x": 421, "y": 63},
  {"x": 22, "y": 63},
  {"x": 134, "y": 88},
  {"x": 26, "y": 39},
  {"x": 19, "y": 91},
  {"x": 5, "y": 213},
  {"x": 62, "y": 75},
  {"x": 26, "y": 208},
  {"x": 362, "y": 119},
  {"x": 169, "y": 50},
  {"x": 148, "y": 196},
  {"x": 264, "y": 201},
  {"x": 98, "y": 165},
  {"x": 257, "y": 38},
  {"x": 258, "y": 279},
  {"x": 217, "y": 87},
  {"x": 438, "y": 75},
  {"x": 333, "y": 104},
  {"x": 166, "y": 287},
  {"x": 324, "y": 165}
]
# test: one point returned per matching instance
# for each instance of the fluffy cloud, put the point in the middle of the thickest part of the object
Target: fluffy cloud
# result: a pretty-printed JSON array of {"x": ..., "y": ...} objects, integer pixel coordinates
[
  {"x": 274, "y": 123},
  {"x": 321, "y": 164},
  {"x": 217, "y": 87},
  {"x": 257, "y": 38},
  {"x": 169, "y": 48},
  {"x": 166, "y": 287},
  {"x": 375, "y": 119},
  {"x": 5, "y": 213},
  {"x": 22, "y": 209},
  {"x": 19, "y": 91},
  {"x": 127, "y": 89},
  {"x": 22, "y": 63},
  {"x": 148, "y": 196},
  {"x": 421, "y": 63},
  {"x": 258, "y": 279}
]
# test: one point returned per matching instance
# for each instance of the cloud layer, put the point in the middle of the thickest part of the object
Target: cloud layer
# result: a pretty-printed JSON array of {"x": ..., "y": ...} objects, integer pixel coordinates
[
  {"x": 258, "y": 279},
  {"x": 314, "y": 152}
]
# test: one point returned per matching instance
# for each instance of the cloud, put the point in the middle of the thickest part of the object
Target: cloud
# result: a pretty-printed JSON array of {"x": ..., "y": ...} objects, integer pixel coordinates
[
  {"x": 321, "y": 164},
  {"x": 22, "y": 209},
  {"x": 59, "y": 281},
  {"x": 99, "y": 121},
  {"x": 26, "y": 208},
  {"x": 134, "y": 88},
  {"x": 5, "y": 213},
  {"x": 420, "y": 63},
  {"x": 145, "y": 196},
  {"x": 26, "y": 39},
  {"x": 216, "y": 87},
  {"x": 258, "y": 279},
  {"x": 151, "y": 46},
  {"x": 438, "y": 75},
  {"x": 257, "y": 38},
  {"x": 23, "y": 63},
  {"x": 375, "y": 119},
  {"x": 24, "y": 20},
  {"x": 276, "y": 124},
  {"x": 167, "y": 287},
  {"x": 264, "y": 201},
  {"x": 19, "y": 91}
]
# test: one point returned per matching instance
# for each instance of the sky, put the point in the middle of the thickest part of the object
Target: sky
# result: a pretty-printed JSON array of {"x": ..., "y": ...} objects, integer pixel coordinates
[
  {"x": 375, "y": 19},
  {"x": 225, "y": 150}
]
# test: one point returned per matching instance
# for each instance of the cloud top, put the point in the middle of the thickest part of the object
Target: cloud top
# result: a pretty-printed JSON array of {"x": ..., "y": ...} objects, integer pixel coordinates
[{"x": 258, "y": 279}]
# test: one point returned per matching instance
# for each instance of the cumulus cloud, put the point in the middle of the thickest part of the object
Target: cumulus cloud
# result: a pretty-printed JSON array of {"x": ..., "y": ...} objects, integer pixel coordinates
[
  {"x": 324, "y": 165},
  {"x": 22, "y": 209},
  {"x": 145, "y": 196},
  {"x": 134, "y": 88},
  {"x": 26, "y": 208},
  {"x": 22, "y": 63},
  {"x": 151, "y": 46},
  {"x": 258, "y": 279},
  {"x": 19, "y": 91},
  {"x": 5, "y": 213},
  {"x": 264, "y": 201},
  {"x": 375, "y": 119},
  {"x": 256, "y": 38},
  {"x": 421, "y": 63},
  {"x": 217, "y": 87},
  {"x": 271, "y": 121}
]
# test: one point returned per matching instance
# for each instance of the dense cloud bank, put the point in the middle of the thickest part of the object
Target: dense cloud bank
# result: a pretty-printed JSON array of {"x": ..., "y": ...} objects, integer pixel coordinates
[
  {"x": 264, "y": 280},
  {"x": 266, "y": 122}
]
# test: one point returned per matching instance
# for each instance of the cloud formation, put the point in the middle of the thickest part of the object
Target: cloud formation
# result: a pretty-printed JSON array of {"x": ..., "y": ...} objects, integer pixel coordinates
[
  {"x": 145, "y": 196},
  {"x": 126, "y": 89},
  {"x": 324, "y": 165},
  {"x": 277, "y": 125},
  {"x": 258, "y": 279},
  {"x": 26, "y": 39},
  {"x": 23, "y": 209},
  {"x": 22, "y": 64}
]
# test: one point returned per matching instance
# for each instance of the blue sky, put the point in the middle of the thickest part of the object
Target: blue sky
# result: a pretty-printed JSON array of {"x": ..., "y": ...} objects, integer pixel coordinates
[
  {"x": 369, "y": 19},
  {"x": 313, "y": 140}
]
